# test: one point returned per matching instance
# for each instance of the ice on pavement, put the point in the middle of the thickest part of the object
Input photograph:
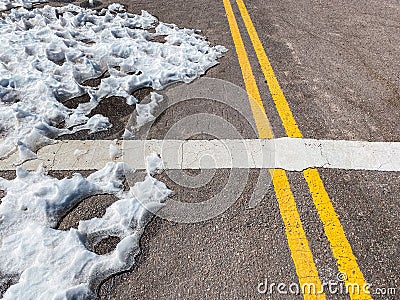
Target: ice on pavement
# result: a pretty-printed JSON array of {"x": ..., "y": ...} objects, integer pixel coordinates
[
  {"x": 54, "y": 264},
  {"x": 47, "y": 54}
]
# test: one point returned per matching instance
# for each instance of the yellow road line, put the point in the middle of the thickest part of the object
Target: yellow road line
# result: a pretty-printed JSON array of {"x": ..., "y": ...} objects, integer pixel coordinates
[
  {"x": 257, "y": 107},
  {"x": 301, "y": 253},
  {"x": 282, "y": 106},
  {"x": 297, "y": 240},
  {"x": 341, "y": 248}
]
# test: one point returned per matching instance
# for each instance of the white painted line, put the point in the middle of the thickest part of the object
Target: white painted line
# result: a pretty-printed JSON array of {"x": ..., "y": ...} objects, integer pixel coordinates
[
  {"x": 66, "y": 155},
  {"x": 285, "y": 153}
]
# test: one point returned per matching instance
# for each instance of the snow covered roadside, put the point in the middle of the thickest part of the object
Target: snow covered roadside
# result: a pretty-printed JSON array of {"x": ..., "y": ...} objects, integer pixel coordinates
[
  {"x": 56, "y": 264},
  {"x": 7, "y": 4},
  {"x": 48, "y": 53}
]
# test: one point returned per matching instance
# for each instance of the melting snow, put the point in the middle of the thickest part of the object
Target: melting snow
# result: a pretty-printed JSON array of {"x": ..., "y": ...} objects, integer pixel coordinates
[
  {"x": 115, "y": 152},
  {"x": 55, "y": 264},
  {"x": 46, "y": 57},
  {"x": 6, "y": 4},
  {"x": 48, "y": 53},
  {"x": 145, "y": 111}
]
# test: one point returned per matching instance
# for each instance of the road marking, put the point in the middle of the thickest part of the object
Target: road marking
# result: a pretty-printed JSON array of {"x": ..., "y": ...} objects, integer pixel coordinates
[
  {"x": 66, "y": 155},
  {"x": 282, "y": 106},
  {"x": 257, "y": 107},
  {"x": 346, "y": 260},
  {"x": 341, "y": 248},
  {"x": 289, "y": 154},
  {"x": 303, "y": 260}
]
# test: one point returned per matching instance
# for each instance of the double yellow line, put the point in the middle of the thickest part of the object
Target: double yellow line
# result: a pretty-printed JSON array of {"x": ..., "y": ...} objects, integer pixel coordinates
[{"x": 301, "y": 253}]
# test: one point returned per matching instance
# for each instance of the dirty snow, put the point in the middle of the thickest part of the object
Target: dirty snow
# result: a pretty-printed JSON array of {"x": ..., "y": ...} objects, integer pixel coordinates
[{"x": 47, "y": 55}]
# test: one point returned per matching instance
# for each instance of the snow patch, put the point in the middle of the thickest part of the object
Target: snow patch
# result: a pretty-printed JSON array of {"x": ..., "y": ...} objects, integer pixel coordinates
[
  {"x": 154, "y": 164},
  {"x": 57, "y": 264},
  {"x": 79, "y": 152},
  {"x": 145, "y": 111},
  {"x": 7, "y": 4},
  {"x": 115, "y": 152},
  {"x": 48, "y": 54}
]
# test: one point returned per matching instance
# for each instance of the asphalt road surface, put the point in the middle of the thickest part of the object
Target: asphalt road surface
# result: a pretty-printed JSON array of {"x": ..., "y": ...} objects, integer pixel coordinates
[{"x": 338, "y": 66}]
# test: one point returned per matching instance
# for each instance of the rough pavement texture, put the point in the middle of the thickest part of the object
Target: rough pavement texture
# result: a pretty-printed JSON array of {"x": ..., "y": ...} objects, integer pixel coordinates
[{"x": 338, "y": 64}]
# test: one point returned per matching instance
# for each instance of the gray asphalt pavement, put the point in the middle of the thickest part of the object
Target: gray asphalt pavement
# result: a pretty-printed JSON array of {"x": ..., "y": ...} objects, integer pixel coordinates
[{"x": 338, "y": 63}]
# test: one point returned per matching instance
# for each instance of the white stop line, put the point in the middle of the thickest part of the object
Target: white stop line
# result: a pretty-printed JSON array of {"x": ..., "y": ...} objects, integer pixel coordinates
[{"x": 285, "y": 153}]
